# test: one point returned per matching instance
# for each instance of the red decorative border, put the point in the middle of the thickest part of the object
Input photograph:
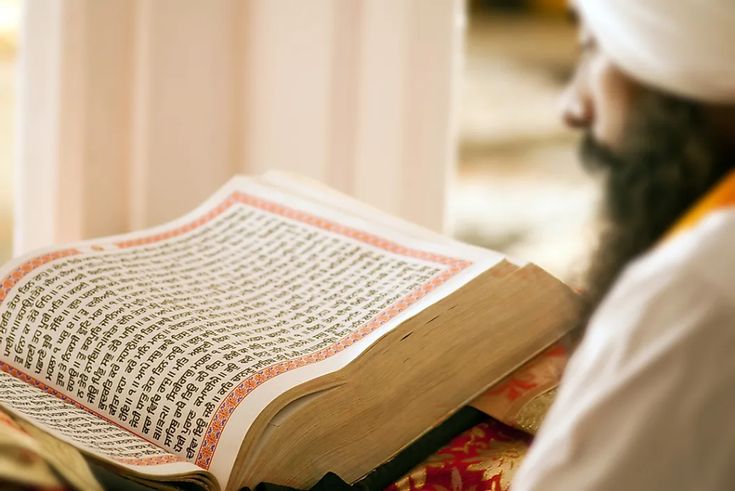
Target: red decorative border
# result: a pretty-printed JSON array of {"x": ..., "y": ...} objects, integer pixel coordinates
[
  {"x": 299, "y": 216},
  {"x": 236, "y": 396}
]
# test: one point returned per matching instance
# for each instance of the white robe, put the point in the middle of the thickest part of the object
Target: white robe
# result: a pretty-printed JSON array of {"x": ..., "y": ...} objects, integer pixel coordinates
[{"x": 648, "y": 399}]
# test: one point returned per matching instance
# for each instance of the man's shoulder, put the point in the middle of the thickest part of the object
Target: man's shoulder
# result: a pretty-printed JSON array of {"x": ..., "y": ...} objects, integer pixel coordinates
[
  {"x": 651, "y": 380},
  {"x": 687, "y": 282},
  {"x": 703, "y": 256}
]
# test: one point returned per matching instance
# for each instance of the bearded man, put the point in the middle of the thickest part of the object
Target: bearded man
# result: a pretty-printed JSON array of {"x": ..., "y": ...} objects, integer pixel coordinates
[{"x": 648, "y": 398}]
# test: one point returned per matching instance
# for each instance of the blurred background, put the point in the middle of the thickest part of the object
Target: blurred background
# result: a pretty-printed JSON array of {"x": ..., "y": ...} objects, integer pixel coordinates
[
  {"x": 478, "y": 121},
  {"x": 519, "y": 187},
  {"x": 9, "y": 25}
]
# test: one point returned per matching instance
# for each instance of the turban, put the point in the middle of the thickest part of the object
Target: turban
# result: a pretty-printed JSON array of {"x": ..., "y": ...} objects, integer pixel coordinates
[{"x": 685, "y": 47}]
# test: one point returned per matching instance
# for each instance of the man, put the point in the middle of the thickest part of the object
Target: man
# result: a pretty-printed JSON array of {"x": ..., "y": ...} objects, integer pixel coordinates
[{"x": 648, "y": 399}]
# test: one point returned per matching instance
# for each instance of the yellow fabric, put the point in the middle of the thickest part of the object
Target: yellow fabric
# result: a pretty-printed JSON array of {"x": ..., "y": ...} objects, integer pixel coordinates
[{"x": 722, "y": 196}]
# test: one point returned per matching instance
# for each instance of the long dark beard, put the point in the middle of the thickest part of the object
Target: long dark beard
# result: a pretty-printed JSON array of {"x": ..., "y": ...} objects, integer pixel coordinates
[{"x": 668, "y": 160}]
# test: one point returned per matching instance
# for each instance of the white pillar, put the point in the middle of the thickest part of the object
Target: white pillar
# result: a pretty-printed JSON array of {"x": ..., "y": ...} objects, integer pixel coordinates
[{"x": 133, "y": 111}]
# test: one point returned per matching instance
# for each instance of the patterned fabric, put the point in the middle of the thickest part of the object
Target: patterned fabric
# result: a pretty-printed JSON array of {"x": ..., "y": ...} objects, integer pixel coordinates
[
  {"x": 483, "y": 458},
  {"x": 522, "y": 398},
  {"x": 722, "y": 196}
]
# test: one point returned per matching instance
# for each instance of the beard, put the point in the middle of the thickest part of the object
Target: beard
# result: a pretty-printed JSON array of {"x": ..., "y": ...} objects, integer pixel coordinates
[{"x": 667, "y": 160}]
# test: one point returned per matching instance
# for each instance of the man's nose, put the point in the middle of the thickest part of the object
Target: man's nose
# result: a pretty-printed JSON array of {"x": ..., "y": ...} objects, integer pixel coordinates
[{"x": 576, "y": 110}]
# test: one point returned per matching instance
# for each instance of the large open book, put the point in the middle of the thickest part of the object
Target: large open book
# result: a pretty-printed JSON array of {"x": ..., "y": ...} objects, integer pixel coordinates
[{"x": 278, "y": 332}]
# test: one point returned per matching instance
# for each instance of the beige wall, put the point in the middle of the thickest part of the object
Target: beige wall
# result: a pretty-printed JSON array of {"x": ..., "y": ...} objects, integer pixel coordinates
[{"x": 133, "y": 111}]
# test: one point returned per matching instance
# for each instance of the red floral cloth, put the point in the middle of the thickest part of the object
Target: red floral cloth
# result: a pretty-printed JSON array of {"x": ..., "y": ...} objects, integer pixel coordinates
[{"x": 485, "y": 457}]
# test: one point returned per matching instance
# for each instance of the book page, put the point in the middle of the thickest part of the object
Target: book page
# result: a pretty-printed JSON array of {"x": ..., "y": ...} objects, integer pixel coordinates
[
  {"x": 75, "y": 423},
  {"x": 324, "y": 195},
  {"x": 157, "y": 350}
]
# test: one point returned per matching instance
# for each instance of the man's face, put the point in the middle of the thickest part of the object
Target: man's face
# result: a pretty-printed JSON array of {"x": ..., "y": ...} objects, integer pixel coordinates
[
  {"x": 599, "y": 97},
  {"x": 657, "y": 153}
]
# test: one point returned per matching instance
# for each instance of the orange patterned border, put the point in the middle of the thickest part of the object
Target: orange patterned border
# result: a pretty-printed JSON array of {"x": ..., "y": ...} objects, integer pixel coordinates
[
  {"x": 18, "y": 273},
  {"x": 297, "y": 215},
  {"x": 236, "y": 396}
]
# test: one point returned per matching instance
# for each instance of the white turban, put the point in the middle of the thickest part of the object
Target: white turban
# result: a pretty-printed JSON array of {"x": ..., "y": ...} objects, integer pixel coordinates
[{"x": 686, "y": 47}]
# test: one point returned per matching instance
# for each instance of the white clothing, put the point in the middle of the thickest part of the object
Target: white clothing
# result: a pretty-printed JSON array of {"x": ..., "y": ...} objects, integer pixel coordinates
[
  {"x": 686, "y": 47},
  {"x": 648, "y": 399}
]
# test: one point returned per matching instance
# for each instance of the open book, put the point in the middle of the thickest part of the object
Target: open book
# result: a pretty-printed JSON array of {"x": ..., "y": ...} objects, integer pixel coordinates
[{"x": 278, "y": 332}]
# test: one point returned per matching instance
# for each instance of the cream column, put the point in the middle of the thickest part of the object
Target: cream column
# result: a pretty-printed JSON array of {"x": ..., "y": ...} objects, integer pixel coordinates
[{"x": 133, "y": 111}]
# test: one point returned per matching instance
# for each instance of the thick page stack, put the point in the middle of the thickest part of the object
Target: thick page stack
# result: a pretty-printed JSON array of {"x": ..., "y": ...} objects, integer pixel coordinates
[{"x": 179, "y": 353}]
